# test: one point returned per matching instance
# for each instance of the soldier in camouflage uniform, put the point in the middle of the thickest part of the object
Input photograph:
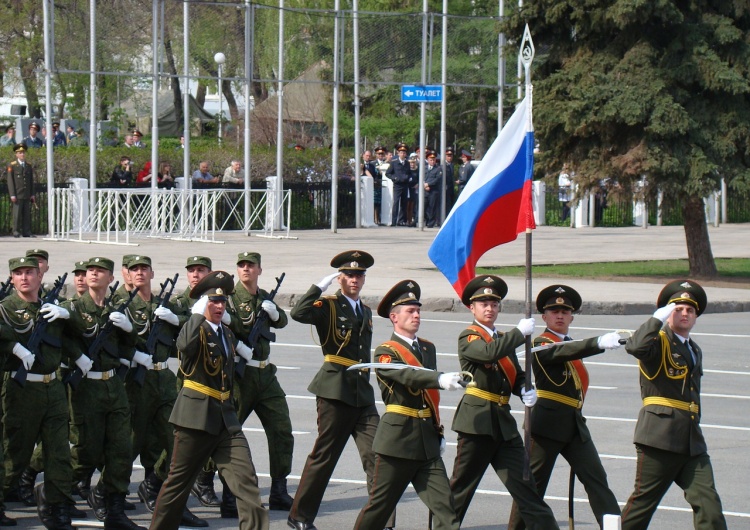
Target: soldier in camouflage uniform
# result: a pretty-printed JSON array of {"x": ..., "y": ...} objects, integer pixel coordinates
[
  {"x": 100, "y": 415},
  {"x": 258, "y": 389}
]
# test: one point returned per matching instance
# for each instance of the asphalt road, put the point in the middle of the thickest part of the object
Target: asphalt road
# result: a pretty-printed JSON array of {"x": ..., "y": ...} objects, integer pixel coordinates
[{"x": 611, "y": 408}]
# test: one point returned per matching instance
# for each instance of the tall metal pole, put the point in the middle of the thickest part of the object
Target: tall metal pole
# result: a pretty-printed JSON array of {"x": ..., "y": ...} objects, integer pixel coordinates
[
  {"x": 444, "y": 110},
  {"x": 519, "y": 70},
  {"x": 220, "y": 59},
  {"x": 249, "y": 51},
  {"x": 186, "y": 206},
  {"x": 422, "y": 120},
  {"x": 48, "y": 15},
  {"x": 280, "y": 124},
  {"x": 155, "y": 50},
  {"x": 500, "y": 69},
  {"x": 357, "y": 144},
  {"x": 93, "y": 140},
  {"x": 335, "y": 139}
]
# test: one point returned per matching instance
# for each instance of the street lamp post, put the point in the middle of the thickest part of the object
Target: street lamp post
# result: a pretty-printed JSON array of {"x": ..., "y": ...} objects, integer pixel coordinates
[{"x": 220, "y": 59}]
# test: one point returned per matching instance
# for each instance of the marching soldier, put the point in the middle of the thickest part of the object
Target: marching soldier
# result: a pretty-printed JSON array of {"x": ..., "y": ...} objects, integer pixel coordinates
[
  {"x": 79, "y": 278},
  {"x": 258, "y": 389},
  {"x": 487, "y": 433},
  {"x": 668, "y": 439},
  {"x": 100, "y": 416},
  {"x": 557, "y": 423},
  {"x": 345, "y": 399},
  {"x": 409, "y": 442},
  {"x": 20, "y": 177},
  {"x": 204, "y": 417},
  {"x": 35, "y": 405}
]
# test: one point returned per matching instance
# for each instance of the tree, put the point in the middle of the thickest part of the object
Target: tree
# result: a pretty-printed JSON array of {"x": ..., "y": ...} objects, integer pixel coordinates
[{"x": 645, "y": 90}]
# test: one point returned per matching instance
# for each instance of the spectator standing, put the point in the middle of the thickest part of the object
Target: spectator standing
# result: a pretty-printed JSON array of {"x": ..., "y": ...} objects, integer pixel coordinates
[
  {"x": 234, "y": 174},
  {"x": 564, "y": 191},
  {"x": 58, "y": 137},
  {"x": 466, "y": 170},
  {"x": 122, "y": 176},
  {"x": 128, "y": 141},
  {"x": 69, "y": 131},
  {"x": 9, "y": 138},
  {"x": 433, "y": 180},
  {"x": 165, "y": 176},
  {"x": 78, "y": 139},
  {"x": 203, "y": 175},
  {"x": 33, "y": 140},
  {"x": 370, "y": 169},
  {"x": 137, "y": 135},
  {"x": 450, "y": 190},
  {"x": 20, "y": 177},
  {"x": 400, "y": 173}
]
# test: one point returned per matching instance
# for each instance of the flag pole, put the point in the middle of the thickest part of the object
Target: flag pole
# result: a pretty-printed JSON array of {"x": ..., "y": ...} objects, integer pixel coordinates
[{"x": 526, "y": 56}]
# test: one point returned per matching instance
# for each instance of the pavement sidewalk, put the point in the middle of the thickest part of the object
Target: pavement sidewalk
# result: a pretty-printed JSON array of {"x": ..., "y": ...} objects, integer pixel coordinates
[{"x": 401, "y": 253}]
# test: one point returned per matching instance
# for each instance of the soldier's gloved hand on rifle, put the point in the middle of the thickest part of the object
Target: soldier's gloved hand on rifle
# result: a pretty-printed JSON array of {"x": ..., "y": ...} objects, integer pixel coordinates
[
  {"x": 449, "y": 381},
  {"x": 27, "y": 358},
  {"x": 244, "y": 351},
  {"x": 200, "y": 306},
  {"x": 663, "y": 312},
  {"x": 528, "y": 396},
  {"x": 166, "y": 315},
  {"x": 326, "y": 282},
  {"x": 121, "y": 320},
  {"x": 144, "y": 359},
  {"x": 84, "y": 363},
  {"x": 226, "y": 318},
  {"x": 609, "y": 341},
  {"x": 52, "y": 312},
  {"x": 269, "y": 307},
  {"x": 442, "y": 446},
  {"x": 526, "y": 326}
]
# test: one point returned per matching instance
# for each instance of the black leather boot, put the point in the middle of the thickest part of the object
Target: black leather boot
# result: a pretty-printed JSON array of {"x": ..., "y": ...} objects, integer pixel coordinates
[
  {"x": 75, "y": 513},
  {"x": 60, "y": 517},
  {"x": 228, "y": 506},
  {"x": 26, "y": 486},
  {"x": 191, "y": 520},
  {"x": 5, "y": 520},
  {"x": 43, "y": 510},
  {"x": 116, "y": 518},
  {"x": 279, "y": 499},
  {"x": 148, "y": 490},
  {"x": 98, "y": 501},
  {"x": 82, "y": 488},
  {"x": 203, "y": 489}
]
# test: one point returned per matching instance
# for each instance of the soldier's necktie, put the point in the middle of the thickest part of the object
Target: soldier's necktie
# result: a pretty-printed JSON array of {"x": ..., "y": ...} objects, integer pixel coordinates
[
  {"x": 692, "y": 353},
  {"x": 415, "y": 347},
  {"x": 359, "y": 312},
  {"x": 222, "y": 345}
]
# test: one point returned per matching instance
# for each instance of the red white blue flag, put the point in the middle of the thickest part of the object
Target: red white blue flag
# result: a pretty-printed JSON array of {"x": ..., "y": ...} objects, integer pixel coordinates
[{"x": 494, "y": 207}]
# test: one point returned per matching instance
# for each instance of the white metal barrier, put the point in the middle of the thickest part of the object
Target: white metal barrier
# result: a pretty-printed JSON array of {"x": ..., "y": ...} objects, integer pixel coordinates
[{"x": 116, "y": 215}]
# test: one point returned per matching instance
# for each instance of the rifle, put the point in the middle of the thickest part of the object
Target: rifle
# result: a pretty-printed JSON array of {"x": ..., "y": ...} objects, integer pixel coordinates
[
  {"x": 153, "y": 337},
  {"x": 6, "y": 287},
  {"x": 76, "y": 375},
  {"x": 40, "y": 328},
  {"x": 259, "y": 329}
]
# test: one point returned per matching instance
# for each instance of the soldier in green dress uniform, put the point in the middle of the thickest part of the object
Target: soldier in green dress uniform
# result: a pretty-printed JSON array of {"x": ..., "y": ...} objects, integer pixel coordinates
[
  {"x": 487, "y": 433},
  {"x": 345, "y": 399},
  {"x": 669, "y": 443},
  {"x": 20, "y": 178},
  {"x": 258, "y": 390},
  {"x": 557, "y": 423},
  {"x": 35, "y": 407},
  {"x": 204, "y": 417},
  {"x": 100, "y": 416},
  {"x": 409, "y": 442}
]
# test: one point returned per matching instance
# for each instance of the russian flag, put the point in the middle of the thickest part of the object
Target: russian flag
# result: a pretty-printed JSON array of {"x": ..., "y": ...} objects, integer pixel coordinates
[{"x": 494, "y": 207}]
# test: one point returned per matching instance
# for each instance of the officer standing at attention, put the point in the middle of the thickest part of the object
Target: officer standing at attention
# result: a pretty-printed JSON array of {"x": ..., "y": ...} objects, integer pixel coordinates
[
  {"x": 668, "y": 439},
  {"x": 557, "y": 423},
  {"x": 409, "y": 441},
  {"x": 204, "y": 417},
  {"x": 465, "y": 171},
  {"x": 487, "y": 433},
  {"x": 433, "y": 181},
  {"x": 258, "y": 390},
  {"x": 345, "y": 399},
  {"x": 36, "y": 409},
  {"x": 20, "y": 177},
  {"x": 400, "y": 173}
]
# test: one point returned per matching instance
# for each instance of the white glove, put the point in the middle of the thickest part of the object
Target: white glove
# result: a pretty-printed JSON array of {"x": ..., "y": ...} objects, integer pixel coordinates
[
  {"x": 270, "y": 308},
  {"x": 125, "y": 362},
  {"x": 449, "y": 381},
  {"x": 226, "y": 318},
  {"x": 166, "y": 315},
  {"x": 528, "y": 397},
  {"x": 52, "y": 312},
  {"x": 244, "y": 351},
  {"x": 121, "y": 320},
  {"x": 442, "y": 446},
  {"x": 326, "y": 282},
  {"x": 526, "y": 326},
  {"x": 27, "y": 358},
  {"x": 84, "y": 363},
  {"x": 200, "y": 306},
  {"x": 144, "y": 359},
  {"x": 609, "y": 341},
  {"x": 663, "y": 312}
]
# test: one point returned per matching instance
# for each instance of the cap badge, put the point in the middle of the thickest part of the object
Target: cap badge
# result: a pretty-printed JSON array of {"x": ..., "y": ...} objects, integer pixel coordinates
[
  {"x": 356, "y": 254},
  {"x": 686, "y": 285},
  {"x": 411, "y": 295},
  {"x": 559, "y": 290},
  {"x": 220, "y": 275},
  {"x": 410, "y": 285},
  {"x": 560, "y": 300},
  {"x": 23, "y": 259},
  {"x": 686, "y": 295},
  {"x": 220, "y": 291},
  {"x": 195, "y": 258},
  {"x": 354, "y": 265},
  {"x": 489, "y": 280},
  {"x": 488, "y": 290},
  {"x": 245, "y": 254}
]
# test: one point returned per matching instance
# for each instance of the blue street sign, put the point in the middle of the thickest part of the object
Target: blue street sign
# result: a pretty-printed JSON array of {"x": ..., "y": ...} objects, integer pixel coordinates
[{"x": 421, "y": 93}]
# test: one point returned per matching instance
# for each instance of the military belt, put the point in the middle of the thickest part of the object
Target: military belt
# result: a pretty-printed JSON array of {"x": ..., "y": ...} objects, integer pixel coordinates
[
  {"x": 565, "y": 400},
  {"x": 38, "y": 378},
  {"x": 161, "y": 366},
  {"x": 104, "y": 376},
  {"x": 666, "y": 402},
  {"x": 337, "y": 359},
  {"x": 408, "y": 411},
  {"x": 489, "y": 396},
  {"x": 253, "y": 362},
  {"x": 207, "y": 390}
]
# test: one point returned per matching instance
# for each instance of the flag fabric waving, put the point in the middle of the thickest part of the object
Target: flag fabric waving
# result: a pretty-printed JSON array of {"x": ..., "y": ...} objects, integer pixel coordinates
[{"x": 494, "y": 207}]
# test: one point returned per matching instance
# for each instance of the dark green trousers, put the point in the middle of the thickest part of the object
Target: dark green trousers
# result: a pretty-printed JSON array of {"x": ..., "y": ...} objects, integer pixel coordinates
[
  {"x": 150, "y": 407},
  {"x": 232, "y": 456},
  {"x": 392, "y": 476},
  {"x": 656, "y": 470},
  {"x": 474, "y": 454}
]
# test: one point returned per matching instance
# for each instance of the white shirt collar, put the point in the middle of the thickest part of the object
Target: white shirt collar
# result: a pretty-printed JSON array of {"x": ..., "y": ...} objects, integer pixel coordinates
[
  {"x": 491, "y": 330},
  {"x": 407, "y": 340},
  {"x": 352, "y": 302}
]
